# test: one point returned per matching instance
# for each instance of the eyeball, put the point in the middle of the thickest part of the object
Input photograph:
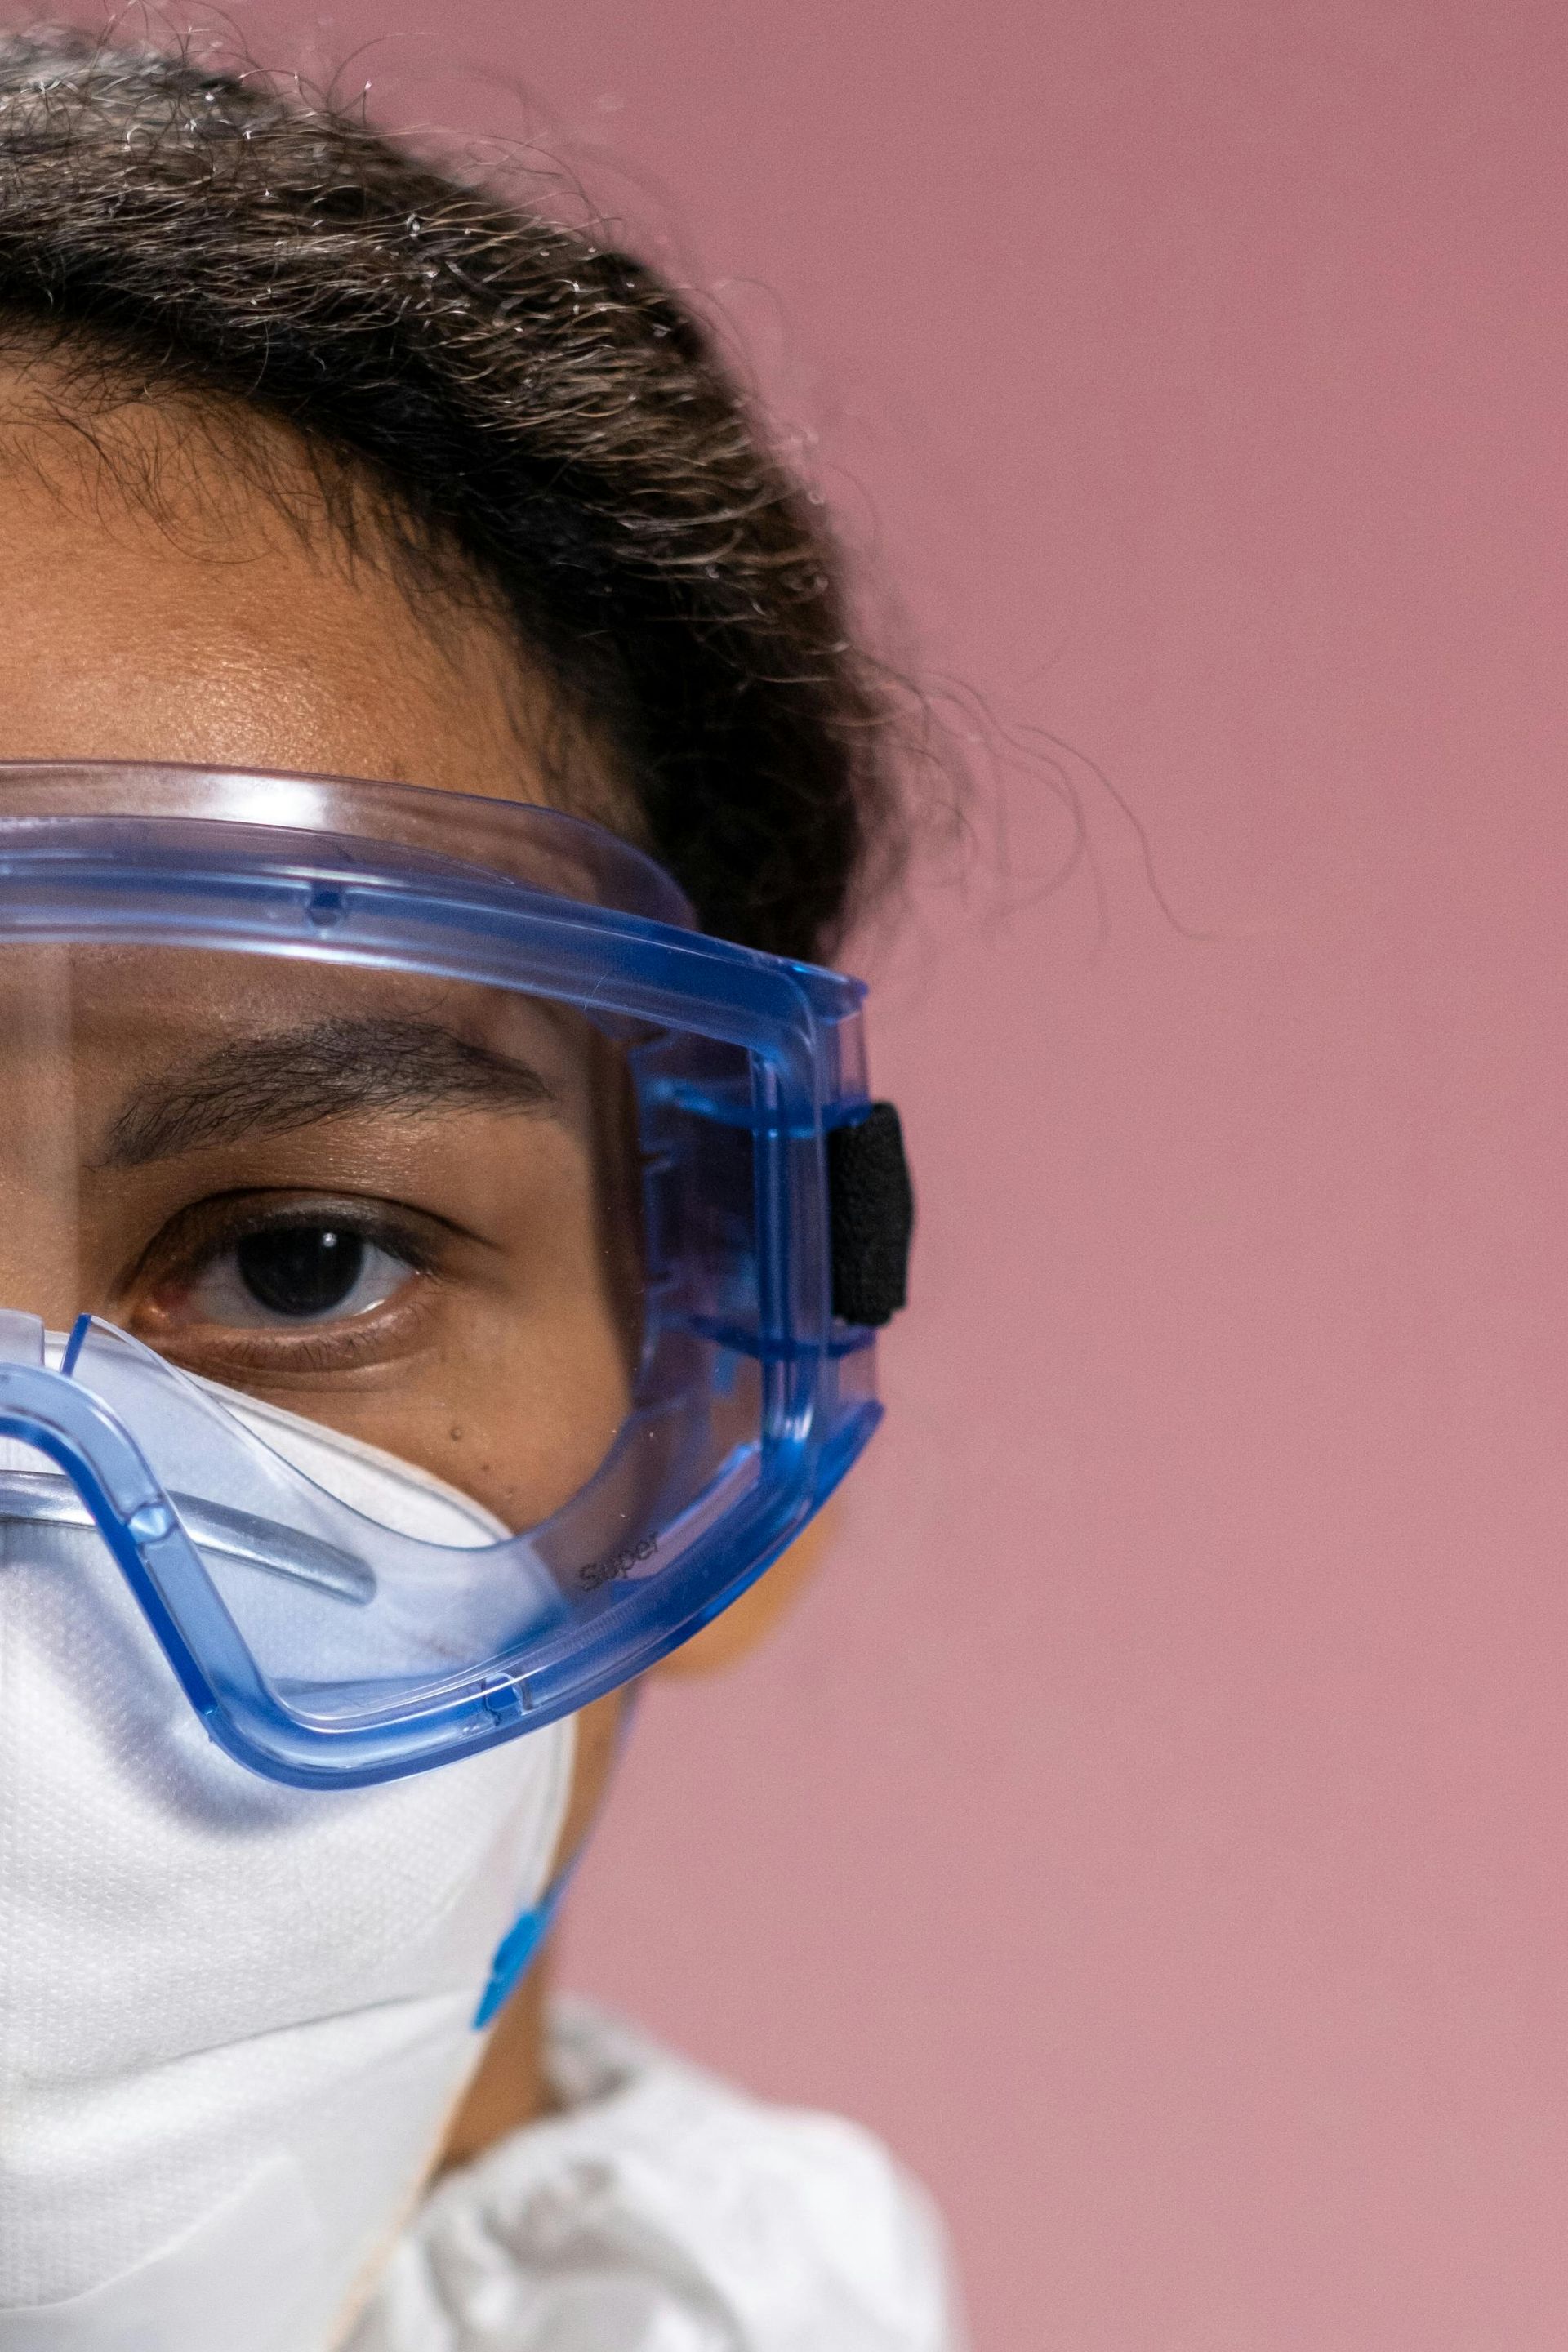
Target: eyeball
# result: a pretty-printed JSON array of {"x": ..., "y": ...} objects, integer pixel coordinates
[{"x": 306, "y": 1273}]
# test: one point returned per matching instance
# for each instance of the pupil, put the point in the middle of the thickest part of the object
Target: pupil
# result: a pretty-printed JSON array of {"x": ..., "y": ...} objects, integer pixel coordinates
[{"x": 300, "y": 1269}]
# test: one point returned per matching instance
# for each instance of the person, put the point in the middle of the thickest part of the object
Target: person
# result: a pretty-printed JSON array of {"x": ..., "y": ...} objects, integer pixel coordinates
[{"x": 445, "y": 1225}]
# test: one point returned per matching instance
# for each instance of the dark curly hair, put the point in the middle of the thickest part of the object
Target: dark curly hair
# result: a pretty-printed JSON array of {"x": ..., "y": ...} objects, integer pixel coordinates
[{"x": 512, "y": 389}]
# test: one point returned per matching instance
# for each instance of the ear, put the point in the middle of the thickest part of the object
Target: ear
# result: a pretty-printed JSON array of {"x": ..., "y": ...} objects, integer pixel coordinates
[{"x": 746, "y": 1624}]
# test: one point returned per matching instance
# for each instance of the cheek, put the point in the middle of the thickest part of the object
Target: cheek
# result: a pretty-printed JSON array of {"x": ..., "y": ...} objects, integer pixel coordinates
[
  {"x": 523, "y": 1385},
  {"x": 523, "y": 1420},
  {"x": 517, "y": 1415}
]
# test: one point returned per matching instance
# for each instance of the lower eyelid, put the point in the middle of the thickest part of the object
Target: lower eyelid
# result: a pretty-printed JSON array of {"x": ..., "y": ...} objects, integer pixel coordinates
[{"x": 227, "y": 1349}]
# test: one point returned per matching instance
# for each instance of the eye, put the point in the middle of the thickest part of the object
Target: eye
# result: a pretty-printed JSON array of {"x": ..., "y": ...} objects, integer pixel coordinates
[{"x": 307, "y": 1272}]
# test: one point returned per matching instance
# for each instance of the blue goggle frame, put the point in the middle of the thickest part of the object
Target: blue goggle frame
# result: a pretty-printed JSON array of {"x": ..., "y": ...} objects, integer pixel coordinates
[{"x": 749, "y": 1074}]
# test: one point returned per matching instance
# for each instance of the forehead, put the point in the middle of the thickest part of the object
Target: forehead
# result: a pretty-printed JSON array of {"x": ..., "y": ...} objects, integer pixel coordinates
[{"x": 156, "y": 604}]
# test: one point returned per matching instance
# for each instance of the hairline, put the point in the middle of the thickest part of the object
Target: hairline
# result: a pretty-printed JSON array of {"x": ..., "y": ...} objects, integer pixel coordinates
[{"x": 115, "y": 413}]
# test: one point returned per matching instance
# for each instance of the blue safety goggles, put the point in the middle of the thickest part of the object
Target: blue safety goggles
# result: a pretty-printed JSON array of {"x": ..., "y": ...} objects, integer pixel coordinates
[{"x": 432, "y": 1120}]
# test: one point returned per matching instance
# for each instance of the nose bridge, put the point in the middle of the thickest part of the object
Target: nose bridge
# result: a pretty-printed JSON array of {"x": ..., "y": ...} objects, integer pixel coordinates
[
  {"x": 53, "y": 1414},
  {"x": 57, "y": 1416},
  {"x": 41, "y": 1078}
]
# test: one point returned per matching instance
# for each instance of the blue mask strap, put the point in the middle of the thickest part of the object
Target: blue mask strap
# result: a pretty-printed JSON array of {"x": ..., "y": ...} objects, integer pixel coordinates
[{"x": 524, "y": 1938}]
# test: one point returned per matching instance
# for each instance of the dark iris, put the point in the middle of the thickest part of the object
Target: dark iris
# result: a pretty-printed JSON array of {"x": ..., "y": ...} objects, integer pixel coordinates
[{"x": 300, "y": 1269}]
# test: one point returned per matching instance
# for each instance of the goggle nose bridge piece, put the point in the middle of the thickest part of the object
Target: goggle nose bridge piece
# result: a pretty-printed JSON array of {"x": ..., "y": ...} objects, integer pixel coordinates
[
  {"x": 57, "y": 1416},
  {"x": 90, "y": 1446},
  {"x": 144, "y": 1508},
  {"x": 21, "y": 1338}
]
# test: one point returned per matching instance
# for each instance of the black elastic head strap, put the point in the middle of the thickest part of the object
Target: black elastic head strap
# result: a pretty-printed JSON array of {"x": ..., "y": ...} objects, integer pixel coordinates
[{"x": 871, "y": 1211}]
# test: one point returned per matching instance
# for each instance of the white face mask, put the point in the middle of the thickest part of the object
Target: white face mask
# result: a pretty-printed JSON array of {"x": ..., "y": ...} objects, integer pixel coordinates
[{"x": 234, "y": 2017}]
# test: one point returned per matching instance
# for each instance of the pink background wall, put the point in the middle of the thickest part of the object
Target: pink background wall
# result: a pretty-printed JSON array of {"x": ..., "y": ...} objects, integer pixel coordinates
[{"x": 1154, "y": 1824}]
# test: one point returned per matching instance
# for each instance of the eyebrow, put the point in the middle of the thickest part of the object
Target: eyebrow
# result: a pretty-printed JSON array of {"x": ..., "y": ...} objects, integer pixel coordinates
[{"x": 290, "y": 1078}]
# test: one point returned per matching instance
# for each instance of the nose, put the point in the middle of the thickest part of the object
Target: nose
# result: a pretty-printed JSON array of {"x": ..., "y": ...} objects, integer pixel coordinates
[{"x": 46, "y": 1411}]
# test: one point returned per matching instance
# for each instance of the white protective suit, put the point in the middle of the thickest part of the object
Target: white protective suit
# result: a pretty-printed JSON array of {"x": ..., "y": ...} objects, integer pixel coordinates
[{"x": 663, "y": 2210}]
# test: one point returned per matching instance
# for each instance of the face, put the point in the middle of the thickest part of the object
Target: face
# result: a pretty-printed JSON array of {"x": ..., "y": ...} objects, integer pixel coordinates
[
  {"x": 438, "y": 1266},
  {"x": 396, "y": 1206}
]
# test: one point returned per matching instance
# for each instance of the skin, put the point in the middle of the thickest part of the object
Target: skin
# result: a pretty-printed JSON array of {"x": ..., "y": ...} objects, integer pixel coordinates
[{"x": 202, "y": 624}]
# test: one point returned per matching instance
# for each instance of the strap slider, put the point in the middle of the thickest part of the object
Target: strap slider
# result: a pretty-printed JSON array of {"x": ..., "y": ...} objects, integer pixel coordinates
[{"x": 871, "y": 1216}]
